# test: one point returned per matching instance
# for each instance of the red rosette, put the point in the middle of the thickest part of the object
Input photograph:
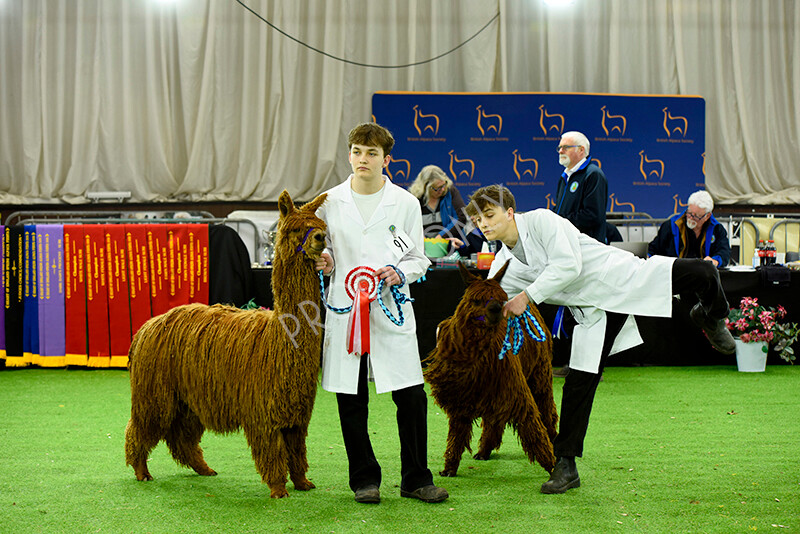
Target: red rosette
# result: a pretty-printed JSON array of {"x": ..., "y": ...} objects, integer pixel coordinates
[
  {"x": 362, "y": 279},
  {"x": 361, "y": 285}
]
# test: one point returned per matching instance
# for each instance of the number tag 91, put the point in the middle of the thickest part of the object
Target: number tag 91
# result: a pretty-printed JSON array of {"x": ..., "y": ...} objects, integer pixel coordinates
[{"x": 399, "y": 243}]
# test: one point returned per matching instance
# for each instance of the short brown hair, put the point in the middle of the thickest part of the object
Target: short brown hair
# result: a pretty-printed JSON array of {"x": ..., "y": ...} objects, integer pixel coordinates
[
  {"x": 371, "y": 134},
  {"x": 490, "y": 196}
]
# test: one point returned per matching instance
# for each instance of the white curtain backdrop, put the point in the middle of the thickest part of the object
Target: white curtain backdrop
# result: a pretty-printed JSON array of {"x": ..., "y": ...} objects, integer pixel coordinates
[{"x": 193, "y": 100}]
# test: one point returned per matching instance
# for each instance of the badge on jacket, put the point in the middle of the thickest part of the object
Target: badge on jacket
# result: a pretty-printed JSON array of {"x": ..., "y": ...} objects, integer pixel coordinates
[{"x": 399, "y": 242}]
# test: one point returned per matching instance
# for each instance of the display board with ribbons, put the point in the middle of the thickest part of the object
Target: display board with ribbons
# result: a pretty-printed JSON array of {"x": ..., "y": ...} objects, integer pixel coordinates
[{"x": 74, "y": 294}]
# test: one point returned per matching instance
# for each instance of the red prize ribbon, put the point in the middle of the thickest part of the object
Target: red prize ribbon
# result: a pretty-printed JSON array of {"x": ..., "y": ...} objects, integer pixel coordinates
[{"x": 361, "y": 285}]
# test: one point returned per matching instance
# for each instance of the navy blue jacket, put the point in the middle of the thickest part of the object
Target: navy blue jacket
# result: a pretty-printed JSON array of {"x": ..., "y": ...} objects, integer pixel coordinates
[
  {"x": 671, "y": 240},
  {"x": 582, "y": 200}
]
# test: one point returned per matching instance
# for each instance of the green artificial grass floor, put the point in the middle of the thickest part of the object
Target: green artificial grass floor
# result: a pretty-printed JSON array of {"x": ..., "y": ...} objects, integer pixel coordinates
[{"x": 669, "y": 449}]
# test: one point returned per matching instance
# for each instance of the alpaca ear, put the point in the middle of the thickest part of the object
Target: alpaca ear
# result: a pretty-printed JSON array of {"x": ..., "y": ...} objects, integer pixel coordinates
[
  {"x": 466, "y": 276},
  {"x": 285, "y": 204},
  {"x": 499, "y": 274},
  {"x": 312, "y": 206}
]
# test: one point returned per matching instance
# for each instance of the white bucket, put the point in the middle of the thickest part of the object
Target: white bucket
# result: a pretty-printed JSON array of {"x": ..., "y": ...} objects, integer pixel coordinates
[{"x": 751, "y": 357}]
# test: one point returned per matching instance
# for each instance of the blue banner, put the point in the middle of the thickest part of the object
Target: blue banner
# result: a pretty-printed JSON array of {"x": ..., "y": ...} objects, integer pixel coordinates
[{"x": 651, "y": 148}]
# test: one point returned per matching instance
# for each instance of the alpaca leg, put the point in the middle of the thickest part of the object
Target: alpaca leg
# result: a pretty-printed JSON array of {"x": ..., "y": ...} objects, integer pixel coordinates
[
  {"x": 183, "y": 440},
  {"x": 269, "y": 454},
  {"x": 491, "y": 437},
  {"x": 548, "y": 411},
  {"x": 458, "y": 439},
  {"x": 138, "y": 444},
  {"x": 541, "y": 385},
  {"x": 295, "y": 438},
  {"x": 533, "y": 437}
]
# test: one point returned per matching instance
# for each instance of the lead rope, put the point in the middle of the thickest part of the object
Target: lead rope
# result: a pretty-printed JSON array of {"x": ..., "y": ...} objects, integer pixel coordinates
[
  {"x": 514, "y": 335},
  {"x": 398, "y": 297}
]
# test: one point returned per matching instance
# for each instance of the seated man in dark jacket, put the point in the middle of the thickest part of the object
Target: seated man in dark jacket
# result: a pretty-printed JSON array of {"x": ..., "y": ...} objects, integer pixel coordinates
[{"x": 695, "y": 233}]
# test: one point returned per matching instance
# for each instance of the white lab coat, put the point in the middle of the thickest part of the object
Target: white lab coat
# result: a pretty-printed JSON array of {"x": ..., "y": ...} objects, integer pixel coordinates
[
  {"x": 394, "y": 355},
  {"x": 566, "y": 267}
]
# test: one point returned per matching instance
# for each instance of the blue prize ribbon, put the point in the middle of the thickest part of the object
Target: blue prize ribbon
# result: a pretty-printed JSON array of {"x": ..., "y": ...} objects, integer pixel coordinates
[{"x": 558, "y": 323}]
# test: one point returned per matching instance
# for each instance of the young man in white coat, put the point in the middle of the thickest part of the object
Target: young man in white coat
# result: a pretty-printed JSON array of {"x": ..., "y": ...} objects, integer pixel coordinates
[
  {"x": 374, "y": 223},
  {"x": 604, "y": 287}
]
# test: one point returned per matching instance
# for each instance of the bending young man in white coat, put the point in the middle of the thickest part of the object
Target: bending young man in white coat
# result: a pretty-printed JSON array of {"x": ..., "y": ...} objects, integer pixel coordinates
[
  {"x": 374, "y": 223},
  {"x": 552, "y": 262}
]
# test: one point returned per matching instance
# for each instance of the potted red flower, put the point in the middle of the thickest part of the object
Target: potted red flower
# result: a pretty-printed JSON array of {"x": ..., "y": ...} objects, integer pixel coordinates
[{"x": 759, "y": 326}]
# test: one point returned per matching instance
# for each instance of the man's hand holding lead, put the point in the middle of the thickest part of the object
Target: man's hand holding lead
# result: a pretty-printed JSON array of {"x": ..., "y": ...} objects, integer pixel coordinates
[
  {"x": 325, "y": 264},
  {"x": 516, "y": 306}
]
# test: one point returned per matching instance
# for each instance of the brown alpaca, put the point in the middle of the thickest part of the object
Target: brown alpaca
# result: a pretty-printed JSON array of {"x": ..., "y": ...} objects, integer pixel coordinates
[
  {"x": 220, "y": 368},
  {"x": 470, "y": 382}
]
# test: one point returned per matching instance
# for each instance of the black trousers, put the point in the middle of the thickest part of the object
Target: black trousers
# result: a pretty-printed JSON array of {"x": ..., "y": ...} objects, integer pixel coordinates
[
  {"x": 412, "y": 427},
  {"x": 697, "y": 280}
]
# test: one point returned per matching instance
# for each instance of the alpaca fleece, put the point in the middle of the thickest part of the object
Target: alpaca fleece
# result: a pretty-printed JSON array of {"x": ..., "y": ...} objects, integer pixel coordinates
[
  {"x": 470, "y": 382},
  {"x": 220, "y": 368}
]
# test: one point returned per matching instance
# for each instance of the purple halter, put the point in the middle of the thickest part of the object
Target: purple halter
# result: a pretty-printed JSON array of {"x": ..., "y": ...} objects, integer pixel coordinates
[{"x": 305, "y": 237}]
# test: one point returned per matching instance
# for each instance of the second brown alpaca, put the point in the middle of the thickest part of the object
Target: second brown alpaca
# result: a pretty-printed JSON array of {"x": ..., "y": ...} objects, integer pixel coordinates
[{"x": 470, "y": 382}]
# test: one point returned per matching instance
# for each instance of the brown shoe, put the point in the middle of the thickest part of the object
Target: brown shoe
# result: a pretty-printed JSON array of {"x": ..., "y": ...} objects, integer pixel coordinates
[
  {"x": 428, "y": 493},
  {"x": 368, "y": 494}
]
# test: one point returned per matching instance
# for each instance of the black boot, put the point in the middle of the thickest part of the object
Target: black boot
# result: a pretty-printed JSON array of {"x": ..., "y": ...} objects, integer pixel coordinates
[
  {"x": 563, "y": 477},
  {"x": 715, "y": 330}
]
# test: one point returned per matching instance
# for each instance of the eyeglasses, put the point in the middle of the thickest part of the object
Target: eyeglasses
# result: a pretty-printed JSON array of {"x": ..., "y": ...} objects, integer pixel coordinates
[
  {"x": 559, "y": 148},
  {"x": 696, "y": 217},
  {"x": 440, "y": 188}
]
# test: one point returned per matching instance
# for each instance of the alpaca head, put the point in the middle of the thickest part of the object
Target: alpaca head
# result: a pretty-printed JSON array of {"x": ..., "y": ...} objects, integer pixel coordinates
[
  {"x": 300, "y": 231},
  {"x": 483, "y": 300}
]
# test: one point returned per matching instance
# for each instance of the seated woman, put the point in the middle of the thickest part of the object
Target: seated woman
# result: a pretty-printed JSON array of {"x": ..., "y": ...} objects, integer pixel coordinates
[{"x": 443, "y": 210}]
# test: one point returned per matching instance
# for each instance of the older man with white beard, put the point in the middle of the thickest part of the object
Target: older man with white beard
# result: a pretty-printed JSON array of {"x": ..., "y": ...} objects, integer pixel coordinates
[
  {"x": 582, "y": 193},
  {"x": 694, "y": 233}
]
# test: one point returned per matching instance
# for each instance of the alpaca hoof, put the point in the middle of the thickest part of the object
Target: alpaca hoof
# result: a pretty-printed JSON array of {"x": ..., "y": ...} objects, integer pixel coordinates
[
  {"x": 278, "y": 493},
  {"x": 482, "y": 456},
  {"x": 304, "y": 485},
  {"x": 548, "y": 464},
  {"x": 144, "y": 477},
  {"x": 448, "y": 472}
]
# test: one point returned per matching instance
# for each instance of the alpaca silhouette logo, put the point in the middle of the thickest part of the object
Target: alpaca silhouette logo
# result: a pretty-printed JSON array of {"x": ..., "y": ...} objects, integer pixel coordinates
[
  {"x": 550, "y": 121},
  {"x": 399, "y": 172},
  {"x": 678, "y": 204},
  {"x": 459, "y": 167},
  {"x": 649, "y": 167},
  {"x": 703, "y": 155},
  {"x": 617, "y": 204},
  {"x": 597, "y": 162},
  {"x": 613, "y": 123},
  {"x": 424, "y": 122},
  {"x": 675, "y": 124},
  {"x": 525, "y": 167},
  {"x": 488, "y": 121},
  {"x": 551, "y": 203}
]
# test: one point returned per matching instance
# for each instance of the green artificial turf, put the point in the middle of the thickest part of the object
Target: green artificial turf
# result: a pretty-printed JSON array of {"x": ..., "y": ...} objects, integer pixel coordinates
[{"x": 669, "y": 449}]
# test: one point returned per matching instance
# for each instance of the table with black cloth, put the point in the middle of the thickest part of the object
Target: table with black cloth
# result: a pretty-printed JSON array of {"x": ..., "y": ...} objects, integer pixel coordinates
[{"x": 667, "y": 341}]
